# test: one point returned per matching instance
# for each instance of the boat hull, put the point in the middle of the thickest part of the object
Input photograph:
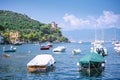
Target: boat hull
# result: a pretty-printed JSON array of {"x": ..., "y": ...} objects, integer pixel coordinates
[
  {"x": 45, "y": 48},
  {"x": 34, "y": 69},
  {"x": 9, "y": 50}
]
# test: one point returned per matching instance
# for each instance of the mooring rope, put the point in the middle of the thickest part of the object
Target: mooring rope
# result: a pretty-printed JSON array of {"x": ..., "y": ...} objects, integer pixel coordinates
[{"x": 95, "y": 68}]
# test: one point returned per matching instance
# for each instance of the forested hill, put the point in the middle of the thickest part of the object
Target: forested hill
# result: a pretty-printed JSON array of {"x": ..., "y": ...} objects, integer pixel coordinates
[{"x": 29, "y": 29}]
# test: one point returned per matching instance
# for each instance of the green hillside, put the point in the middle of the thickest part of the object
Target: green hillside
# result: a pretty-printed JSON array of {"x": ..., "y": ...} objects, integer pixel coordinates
[{"x": 29, "y": 29}]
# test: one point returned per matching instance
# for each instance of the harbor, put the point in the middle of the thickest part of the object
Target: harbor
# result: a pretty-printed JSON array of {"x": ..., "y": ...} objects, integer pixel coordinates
[{"x": 15, "y": 66}]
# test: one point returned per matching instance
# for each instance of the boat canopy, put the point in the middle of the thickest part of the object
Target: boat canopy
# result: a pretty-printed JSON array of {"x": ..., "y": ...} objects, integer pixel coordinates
[
  {"x": 92, "y": 58},
  {"x": 42, "y": 60}
]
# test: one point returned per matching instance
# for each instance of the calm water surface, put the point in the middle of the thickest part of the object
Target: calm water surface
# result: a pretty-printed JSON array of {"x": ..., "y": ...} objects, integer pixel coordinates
[{"x": 14, "y": 67}]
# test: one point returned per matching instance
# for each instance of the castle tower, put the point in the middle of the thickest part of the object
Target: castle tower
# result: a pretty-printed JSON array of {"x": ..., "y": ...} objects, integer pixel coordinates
[{"x": 53, "y": 25}]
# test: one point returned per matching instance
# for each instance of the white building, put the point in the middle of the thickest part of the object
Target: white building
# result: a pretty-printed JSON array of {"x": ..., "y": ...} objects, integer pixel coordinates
[{"x": 1, "y": 39}]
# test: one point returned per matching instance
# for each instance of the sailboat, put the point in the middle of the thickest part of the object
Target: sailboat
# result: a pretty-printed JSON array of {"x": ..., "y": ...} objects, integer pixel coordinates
[
  {"x": 98, "y": 45},
  {"x": 116, "y": 43}
]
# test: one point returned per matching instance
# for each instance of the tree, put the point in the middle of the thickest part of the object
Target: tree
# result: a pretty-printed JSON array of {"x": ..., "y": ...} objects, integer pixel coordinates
[
  {"x": 2, "y": 28},
  {"x": 29, "y": 29}
]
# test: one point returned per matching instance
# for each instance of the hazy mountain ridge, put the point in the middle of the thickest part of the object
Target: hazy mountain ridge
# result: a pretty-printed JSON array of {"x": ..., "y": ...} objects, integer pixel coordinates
[{"x": 89, "y": 34}]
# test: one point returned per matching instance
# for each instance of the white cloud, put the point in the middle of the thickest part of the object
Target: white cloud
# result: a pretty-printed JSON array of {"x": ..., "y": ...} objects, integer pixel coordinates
[
  {"x": 107, "y": 19},
  {"x": 74, "y": 21}
]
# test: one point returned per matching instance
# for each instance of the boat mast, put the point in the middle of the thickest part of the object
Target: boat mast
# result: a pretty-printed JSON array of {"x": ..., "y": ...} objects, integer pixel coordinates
[
  {"x": 102, "y": 35},
  {"x": 95, "y": 32},
  {"x": 115, "y": 35}
]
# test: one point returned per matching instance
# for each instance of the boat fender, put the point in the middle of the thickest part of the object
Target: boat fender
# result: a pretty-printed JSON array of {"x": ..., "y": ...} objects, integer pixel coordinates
[
  {"x": 103, "y": 64},
  {"x": 78, "y": 64}
]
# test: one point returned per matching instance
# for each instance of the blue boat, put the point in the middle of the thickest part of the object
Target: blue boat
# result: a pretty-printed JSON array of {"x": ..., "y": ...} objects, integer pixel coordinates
[{"x": 12, "y": 49}]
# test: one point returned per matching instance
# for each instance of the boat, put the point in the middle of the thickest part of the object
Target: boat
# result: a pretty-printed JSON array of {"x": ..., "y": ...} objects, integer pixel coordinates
[
  {"x": 6, "y": 55},
  {"x": 90, "y": 62},
  {"x": 36, "y": 43},
  {"x": 41, "y": 63},
  {"x": 99, "y": 49},
  {"x": 59, "y": 49},
  {"x": 117, "y": 49},
  {"x": 80, "y": 42},
  {"x": 50, "y": 44},
  {"x": 76, "y": 51},
  {"x": 11, "y": 49},
  {"x": 117, "y": 44},
  {"x": 44, "y": 47},
  {"x": 18, "y": 43},
  {"x": 98, "y": 44}
]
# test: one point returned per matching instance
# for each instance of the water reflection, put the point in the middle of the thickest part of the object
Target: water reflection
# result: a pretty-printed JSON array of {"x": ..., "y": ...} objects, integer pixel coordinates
[{"x": 94, "y": 72}]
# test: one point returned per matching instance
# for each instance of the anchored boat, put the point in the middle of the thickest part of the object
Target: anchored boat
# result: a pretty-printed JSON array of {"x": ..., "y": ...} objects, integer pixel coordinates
[
  {"x": 11, "y": 49},
  {"x": 92, "y": 62},
  {"x": 76, "y": 51},
  {"x": 59, "y": 49},
  {"x": 41, "y": 63}
]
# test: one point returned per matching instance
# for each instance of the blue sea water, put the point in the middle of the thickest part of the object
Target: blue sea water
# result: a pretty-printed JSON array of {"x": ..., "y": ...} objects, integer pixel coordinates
[{"x": 15, "y": 66}]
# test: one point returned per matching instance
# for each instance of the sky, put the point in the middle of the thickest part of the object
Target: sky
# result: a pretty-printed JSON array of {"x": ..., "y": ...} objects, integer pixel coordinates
[{"x": 69, "y": 14}]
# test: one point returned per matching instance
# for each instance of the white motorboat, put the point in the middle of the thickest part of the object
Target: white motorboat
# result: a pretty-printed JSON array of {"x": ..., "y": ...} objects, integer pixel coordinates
[
  {"x": 41, "y": 63},
  {"x": 76, "y": 51},
  {"x": 117, "y": 49},
  {"x": 59, "y": 49},
  {"x": 11, "y": 49},
  {"x": 117, "y": 44}
]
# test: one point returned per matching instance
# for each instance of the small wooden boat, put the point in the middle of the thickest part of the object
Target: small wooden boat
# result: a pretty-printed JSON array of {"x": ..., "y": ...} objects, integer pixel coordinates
[
  {"x": 41, "y": 63},
  {"x": 6, "y": 55},
  {"x": 44, "y": 47},
  {"x": 59, "y": 49}
]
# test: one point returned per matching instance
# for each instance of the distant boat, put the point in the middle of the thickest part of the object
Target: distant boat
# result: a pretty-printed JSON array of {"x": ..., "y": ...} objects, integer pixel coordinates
[
  {"x": 117, "y": 49},
  {"x": 59, "y": 49},
  {"x": 6, "y": 55},
  {"x": 117, "y": 44},
  {"x": 91, "y": 61},
  {"x": 76, "y": 51},
  {"x": 18, "y": 43},
  {"x": 41, "y": 63},
  {"x": 97, "y": 42},
  {"x": 44, "y": 47},
  {"x": 11, "y": 49},
  {"x": 80, "y": 42},
  {"x": 36, "y": 43}
]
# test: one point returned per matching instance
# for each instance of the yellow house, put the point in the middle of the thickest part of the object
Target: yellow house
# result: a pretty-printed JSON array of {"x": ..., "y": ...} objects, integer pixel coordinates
[{"x": 14, "y": 36}]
